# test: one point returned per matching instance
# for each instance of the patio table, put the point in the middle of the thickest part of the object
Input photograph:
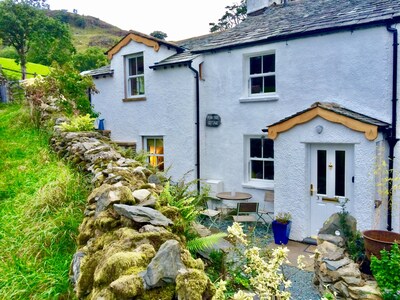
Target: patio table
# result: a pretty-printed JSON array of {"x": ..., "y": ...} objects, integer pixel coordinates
[{"x": 236, "y": 196}]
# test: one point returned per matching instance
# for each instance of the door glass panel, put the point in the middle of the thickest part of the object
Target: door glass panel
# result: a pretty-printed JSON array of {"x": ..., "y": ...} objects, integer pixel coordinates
[
  {"x": 321, "y": 172},
  {"x": 340, "y": 171}
]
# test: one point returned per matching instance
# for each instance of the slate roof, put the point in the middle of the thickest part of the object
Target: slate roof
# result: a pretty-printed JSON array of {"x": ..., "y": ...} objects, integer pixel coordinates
[
  {"x": 106, "y": 70},
  {"x": 300, "y": 17},
  {"x": 179, "y": 58},
  {"x": 336, "y": 108}
]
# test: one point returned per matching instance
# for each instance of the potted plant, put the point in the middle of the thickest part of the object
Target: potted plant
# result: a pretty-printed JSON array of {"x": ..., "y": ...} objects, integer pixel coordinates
[{"x": 281, "y": 227}]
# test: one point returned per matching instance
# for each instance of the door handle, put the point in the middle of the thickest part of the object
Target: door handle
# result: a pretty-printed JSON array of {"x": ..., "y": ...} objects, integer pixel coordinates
[{"x": 311, "y": 189}]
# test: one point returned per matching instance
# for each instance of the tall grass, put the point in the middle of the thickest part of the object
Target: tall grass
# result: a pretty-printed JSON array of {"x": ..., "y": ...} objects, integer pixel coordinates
[{"x": 41, "y": 203}]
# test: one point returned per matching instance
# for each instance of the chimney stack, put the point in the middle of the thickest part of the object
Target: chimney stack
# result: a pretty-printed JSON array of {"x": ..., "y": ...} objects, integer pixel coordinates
[{"x": 256, "y": 5}]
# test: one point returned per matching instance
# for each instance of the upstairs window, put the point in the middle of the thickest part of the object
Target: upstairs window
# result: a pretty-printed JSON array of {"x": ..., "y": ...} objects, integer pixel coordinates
[
  {"x": 135, "y": 76},
  {"x": 261, "y": 159},
  {"x": 262, "y": 74}
]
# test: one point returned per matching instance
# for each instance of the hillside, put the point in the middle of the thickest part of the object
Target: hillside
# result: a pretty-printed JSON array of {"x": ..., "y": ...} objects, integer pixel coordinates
[
  {"x": 12, "y": 69},
  {"x": 89, "y": 31}
]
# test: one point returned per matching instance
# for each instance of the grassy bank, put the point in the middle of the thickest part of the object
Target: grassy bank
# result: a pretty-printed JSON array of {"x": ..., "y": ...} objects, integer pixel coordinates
[
  {"x": 41, "y": 203},
  {"x": 11, "y": 68}
]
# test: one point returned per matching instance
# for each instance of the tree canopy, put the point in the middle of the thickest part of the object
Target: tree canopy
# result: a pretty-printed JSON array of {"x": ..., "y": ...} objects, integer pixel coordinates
[
  {"x": 25, "y": 27},
  {"x": 234, "y": 14},
  {"x": 159, "y": 34}
]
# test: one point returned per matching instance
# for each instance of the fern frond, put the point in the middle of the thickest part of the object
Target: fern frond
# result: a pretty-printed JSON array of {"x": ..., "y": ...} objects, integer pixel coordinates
[{"x": 202, "y": 243}]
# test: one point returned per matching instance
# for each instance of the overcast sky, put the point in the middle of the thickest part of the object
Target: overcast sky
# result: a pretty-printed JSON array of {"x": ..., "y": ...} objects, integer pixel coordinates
[{"x": 179, "y": 19}]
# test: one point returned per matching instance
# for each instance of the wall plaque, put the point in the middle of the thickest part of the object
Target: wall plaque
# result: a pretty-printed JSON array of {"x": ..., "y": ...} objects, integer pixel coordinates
[{"x": 213, "y": 120}]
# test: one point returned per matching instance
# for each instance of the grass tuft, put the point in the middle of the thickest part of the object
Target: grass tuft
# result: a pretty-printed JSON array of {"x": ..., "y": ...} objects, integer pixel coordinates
[{"x": 41, "y": 203}]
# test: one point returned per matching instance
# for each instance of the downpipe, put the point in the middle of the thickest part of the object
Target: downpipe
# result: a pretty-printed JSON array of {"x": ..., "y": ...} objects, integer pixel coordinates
[
  {"x": 392, "y": 133},
  {"x": 197, "y": 125}
]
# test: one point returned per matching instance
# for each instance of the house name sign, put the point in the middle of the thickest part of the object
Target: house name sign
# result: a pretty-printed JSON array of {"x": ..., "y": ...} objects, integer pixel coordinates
[{"x": 213, "y": 120}]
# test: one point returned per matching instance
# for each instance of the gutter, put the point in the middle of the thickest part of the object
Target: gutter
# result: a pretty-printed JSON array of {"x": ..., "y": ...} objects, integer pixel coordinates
[
  {"x": 197, "y": 125},
  {"x": 392, "y": 135}
]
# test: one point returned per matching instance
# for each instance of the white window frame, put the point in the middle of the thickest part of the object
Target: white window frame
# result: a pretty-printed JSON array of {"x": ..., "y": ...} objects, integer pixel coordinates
[
  {"x": 247, "y": 95},
  {"x": 248, "y": 180},
  {"x": 146, "y": 140},
  {"x": 128, "y": 92}
]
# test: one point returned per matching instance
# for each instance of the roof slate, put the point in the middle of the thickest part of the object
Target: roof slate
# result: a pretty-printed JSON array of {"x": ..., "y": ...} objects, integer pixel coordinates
[
  {"x": 336, "y": 108},
  {"x": 106, "y": 70},
  {"x": 297, "y": 18}
]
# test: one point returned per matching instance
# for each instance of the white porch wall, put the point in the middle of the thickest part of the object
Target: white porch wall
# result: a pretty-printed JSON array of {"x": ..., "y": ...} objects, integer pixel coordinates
[
  {"x": 168, "y": 111},
  {"x": 292, "y": 183}
]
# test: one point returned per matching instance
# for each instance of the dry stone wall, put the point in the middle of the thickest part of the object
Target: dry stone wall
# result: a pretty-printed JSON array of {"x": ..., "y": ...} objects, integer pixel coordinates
[
  {"x": 335, "y": 271},
  {"x": 127, "y": 246}
]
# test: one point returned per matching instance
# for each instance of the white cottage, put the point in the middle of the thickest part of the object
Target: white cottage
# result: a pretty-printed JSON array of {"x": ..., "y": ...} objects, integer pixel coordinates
[{"x": 298, "y": 100}]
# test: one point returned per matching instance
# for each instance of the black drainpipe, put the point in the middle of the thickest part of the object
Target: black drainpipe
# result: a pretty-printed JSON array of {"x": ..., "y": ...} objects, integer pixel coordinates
[
  {"x": 392, "y": 136},
  {"x": 197, "y": 125}
]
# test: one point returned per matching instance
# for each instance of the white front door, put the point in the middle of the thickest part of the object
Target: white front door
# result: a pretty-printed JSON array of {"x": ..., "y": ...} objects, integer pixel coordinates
[{"x": 331, "y": 181}]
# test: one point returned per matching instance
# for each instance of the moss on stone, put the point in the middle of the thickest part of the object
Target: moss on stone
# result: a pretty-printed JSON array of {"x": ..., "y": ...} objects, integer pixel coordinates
[
  {"x": 97, "y": 192},
  {"x": 102, "y": 294},
  {"x": 127, "y": 287},
  {"x": 113, "y": 267},
  {"x": 170, "y": 212},
  {"x": 106, "y": 222},
  {"x": 194, "y": 285},
  {"x": 166, "y": 292},
  {"x": 190, "y": 262},
  {"x": 88, "y": 265},
  {"x": 86, "y": 231}
]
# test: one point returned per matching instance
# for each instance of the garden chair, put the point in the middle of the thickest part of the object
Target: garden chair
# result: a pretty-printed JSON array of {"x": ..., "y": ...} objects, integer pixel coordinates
[
  {"x": 246, "y": 212},
  {"x": 211, "y": 214},
  {"x": 266, "y": 211}
]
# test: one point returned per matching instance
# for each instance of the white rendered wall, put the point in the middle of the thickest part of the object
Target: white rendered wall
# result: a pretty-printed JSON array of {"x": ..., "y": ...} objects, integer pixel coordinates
[
  {"x": 168, "y": 110},
  {"x": 352, "y": 69}
]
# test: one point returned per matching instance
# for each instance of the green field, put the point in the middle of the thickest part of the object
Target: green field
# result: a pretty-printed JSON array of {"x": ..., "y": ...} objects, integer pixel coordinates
[
  {"x": 12, "y": 69},
  {"x": 41, "y": 206}
]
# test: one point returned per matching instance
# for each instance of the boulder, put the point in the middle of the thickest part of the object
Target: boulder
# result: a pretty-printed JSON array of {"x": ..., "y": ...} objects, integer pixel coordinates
[
  {"x": 164, "y": 267},
  {"x": 332, "y": 225},
  {"x": 140, "y": 214}
]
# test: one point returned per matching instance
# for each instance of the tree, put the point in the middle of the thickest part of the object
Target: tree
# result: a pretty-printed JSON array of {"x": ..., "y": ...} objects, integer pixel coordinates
[
  {"x": 92, "y": 58},
  {"x": 235, "y": 14},
  {"x": 24, "y": 27},
  {"x": 159, "y": 35},
  {"x": 53, "y": 42}
]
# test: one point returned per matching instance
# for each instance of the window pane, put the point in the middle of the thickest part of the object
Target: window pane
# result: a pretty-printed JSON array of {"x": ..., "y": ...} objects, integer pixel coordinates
[
  {"x": 255, "y": 148},
  {"x": 140, "y": 65},
  {"x": 256, "y": 85},
  {"x": 269, "y": 170},
  {"x": 255, "y": 65},
  {"x": 321, "y": 172},
  {"x": 269, "y": 63},
  {"x": 268, "y": 148},
  {"x": 132, "y": 66},
  {"x": 133, "y": 86},
  {"x": 269, "y": 84},
  {"x": 159, "y": 146},
  {"x": 340, "y": 173},
  {"x": 160, "y": 163},
  {"x": 256, "y": 169},
  {"x": 140, "y": 87},
  {"x": 151, "y": 146}
]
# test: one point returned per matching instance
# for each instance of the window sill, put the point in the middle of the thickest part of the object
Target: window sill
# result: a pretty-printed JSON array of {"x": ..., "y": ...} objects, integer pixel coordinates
[
  {"x": 264, "y": 98},
  {"x": 134, "y": 99},
  {"x": 259, "y": 185}
]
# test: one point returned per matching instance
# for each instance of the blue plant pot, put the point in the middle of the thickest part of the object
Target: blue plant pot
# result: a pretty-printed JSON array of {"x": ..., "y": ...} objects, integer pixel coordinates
[{"x": 281, "y": 232}]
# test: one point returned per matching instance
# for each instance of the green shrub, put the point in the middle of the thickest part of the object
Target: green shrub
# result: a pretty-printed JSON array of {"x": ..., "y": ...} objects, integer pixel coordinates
[
  {"x": 387, "y": 272},
  {"x": 79, "y": 123}
]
